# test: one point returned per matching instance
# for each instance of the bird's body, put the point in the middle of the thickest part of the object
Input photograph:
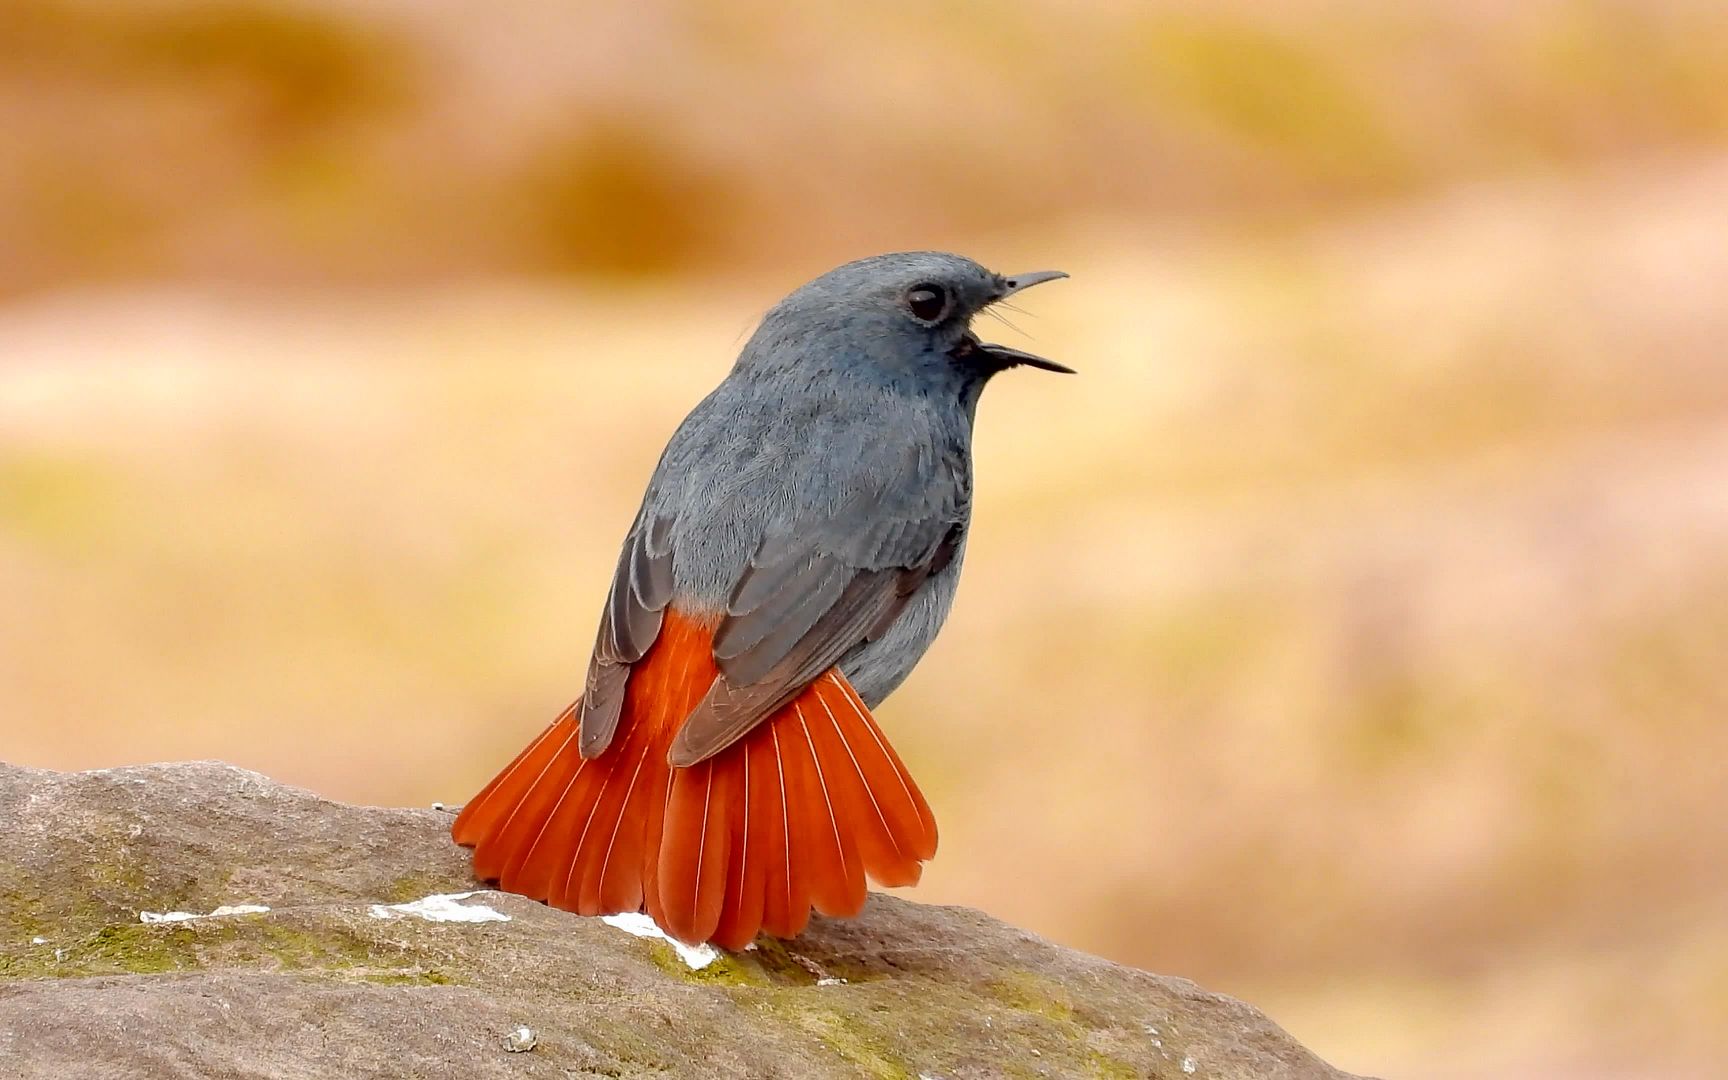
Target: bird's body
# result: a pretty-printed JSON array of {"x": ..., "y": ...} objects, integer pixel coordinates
[
  {"x": 795, "y": 554},
  {"x": 809, "y": 464}
]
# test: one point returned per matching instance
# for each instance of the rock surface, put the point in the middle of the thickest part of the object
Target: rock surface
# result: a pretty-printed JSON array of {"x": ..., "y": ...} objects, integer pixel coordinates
[{"x": 346, "y": 976}]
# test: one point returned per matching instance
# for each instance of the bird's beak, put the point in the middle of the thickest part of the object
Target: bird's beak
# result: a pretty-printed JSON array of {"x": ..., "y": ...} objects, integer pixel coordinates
[
  {"x": 1019, "y": 282},
  {"x": 1007, "y": 357}
]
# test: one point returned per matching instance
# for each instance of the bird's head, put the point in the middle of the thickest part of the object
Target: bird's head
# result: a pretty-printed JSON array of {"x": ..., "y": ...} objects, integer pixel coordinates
[{"x": 904, "y": 314}]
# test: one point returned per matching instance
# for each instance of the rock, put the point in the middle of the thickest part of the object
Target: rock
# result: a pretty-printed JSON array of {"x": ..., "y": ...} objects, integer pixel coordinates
[{"x": 364, "y": 965}]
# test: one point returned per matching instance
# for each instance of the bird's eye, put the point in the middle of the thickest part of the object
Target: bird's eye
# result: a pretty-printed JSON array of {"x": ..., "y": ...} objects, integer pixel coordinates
[{"x": 927, "y": 302}]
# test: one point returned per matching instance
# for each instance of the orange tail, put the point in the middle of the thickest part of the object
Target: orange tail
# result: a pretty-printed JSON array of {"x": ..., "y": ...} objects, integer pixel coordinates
[{"x": 792, "y": 816}]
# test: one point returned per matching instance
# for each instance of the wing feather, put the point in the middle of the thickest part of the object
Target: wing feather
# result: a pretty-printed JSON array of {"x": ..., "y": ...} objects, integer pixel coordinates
[
  {"x": 815, "y": 591},
  {"x": 629, "y": 623}
]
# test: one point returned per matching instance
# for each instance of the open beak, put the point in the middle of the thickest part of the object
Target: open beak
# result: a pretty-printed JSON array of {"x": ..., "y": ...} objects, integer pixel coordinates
[{"x": 1003, "y": 355}]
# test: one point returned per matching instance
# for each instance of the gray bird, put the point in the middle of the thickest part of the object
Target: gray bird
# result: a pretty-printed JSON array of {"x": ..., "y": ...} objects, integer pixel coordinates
[{"x": 795, "y": 554}]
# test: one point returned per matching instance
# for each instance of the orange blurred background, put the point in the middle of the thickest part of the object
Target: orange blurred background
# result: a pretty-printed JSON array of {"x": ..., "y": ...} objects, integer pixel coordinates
[{"x": 1351, "y": 636}]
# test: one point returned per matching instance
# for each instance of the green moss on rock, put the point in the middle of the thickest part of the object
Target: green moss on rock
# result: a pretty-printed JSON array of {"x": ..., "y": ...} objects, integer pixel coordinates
[
  {"x": 853, "y": 1041},
  {"x": 727, "y": 969},
  {"x": 112, "y": 950},
  {"x": 330, "y": 951},
  {"x": 21, "y": 913},
  {"x": 426, "y": 977},
  {"x": 414, "y": 887},
  {"x": 1029, "y": 993},
  {"x": 297, "y": 948},
  {"x": 778, "y": 964}
]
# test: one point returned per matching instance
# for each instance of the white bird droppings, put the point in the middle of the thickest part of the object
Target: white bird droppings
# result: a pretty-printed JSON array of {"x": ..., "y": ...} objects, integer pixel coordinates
[
  {"x": 187, "y": 916},
  {"x": 440, "y": 907},
  {"x": 640, "y": 925}
]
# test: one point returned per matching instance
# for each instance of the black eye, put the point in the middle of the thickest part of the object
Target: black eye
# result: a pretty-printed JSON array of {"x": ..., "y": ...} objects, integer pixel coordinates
[{"x": 927, "y": 301}]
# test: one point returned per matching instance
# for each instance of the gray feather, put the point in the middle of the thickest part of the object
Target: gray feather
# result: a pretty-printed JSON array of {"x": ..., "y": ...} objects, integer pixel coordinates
[
  {"x": 752, "y": 640},
  {"x": 629, "y": 623}
]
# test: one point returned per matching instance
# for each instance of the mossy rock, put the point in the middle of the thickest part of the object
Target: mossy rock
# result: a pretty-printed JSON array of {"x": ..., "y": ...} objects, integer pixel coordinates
[{"x": 346, "y": 975}]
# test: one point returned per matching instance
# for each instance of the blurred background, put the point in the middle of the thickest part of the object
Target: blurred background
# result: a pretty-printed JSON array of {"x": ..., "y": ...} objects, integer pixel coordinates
[{"x": 1350, "y": 636}]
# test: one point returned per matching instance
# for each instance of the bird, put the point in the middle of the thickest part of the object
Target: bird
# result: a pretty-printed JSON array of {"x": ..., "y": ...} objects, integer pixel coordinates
[{"x": 795, "y": 554}]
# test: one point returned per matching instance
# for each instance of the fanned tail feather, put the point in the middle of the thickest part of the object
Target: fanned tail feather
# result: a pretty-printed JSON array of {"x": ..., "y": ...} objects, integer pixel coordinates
[{"x": 794, "y": 816}]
